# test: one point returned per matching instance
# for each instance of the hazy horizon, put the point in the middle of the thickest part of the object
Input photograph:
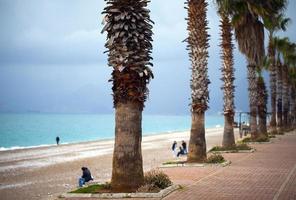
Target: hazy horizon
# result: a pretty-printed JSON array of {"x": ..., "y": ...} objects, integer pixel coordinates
[{"x": 52, "y": 61}]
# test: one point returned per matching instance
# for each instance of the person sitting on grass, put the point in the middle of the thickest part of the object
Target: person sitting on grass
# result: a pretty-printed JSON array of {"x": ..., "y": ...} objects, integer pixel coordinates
[
  {"x": 184, "y": 146},
  {"x": 86, "y": 176},
  {"x": 181, "y": 152}
]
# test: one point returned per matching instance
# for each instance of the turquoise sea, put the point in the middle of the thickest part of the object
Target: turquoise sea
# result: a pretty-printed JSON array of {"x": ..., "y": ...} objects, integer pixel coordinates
[{"x": 30, "y": 130}]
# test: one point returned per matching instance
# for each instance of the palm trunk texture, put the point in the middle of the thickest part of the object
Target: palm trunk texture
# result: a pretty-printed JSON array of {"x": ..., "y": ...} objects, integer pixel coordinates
[
  {"x": 129, "y": 37},
  {"x": 197, "y": 142},
  {"x": 279, "y": 98},
  {"x": 262, "y": 107},
  {"x": 293, "y": 106},
  {"x": 285, "y": 98},
  {"x": 228, "y": 135},
  {"x": 228, "y": 79},
  {"x": 127, "y": 173},
  {"x": 272, "y": 78},
  {"x": 198, "y": 54},
  {"x": 253, "y": 100}
]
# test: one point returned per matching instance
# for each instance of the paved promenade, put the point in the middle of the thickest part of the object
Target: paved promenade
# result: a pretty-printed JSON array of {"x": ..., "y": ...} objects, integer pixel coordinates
[{"x": 268, "y": 173}]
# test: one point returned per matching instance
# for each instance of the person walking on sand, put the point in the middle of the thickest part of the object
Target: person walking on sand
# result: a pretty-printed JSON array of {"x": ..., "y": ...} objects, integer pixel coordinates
[
  {"x": 174, "y": 146},
  {"x": 58, "y": 140},
  {"x": 184, "y": 146}
]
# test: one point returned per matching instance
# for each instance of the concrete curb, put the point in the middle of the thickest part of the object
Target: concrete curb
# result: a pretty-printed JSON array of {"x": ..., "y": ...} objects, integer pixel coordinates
[
  {"x": 160, "y": 194},
  {"x": 235, "y": 151},
  {"x": 196, "y": 164}
]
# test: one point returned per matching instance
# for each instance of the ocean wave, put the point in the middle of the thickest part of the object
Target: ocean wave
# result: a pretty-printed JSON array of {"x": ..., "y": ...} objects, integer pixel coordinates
[
  {"x": 218, "y": 126},
  {"x": 28, "y": 147}
]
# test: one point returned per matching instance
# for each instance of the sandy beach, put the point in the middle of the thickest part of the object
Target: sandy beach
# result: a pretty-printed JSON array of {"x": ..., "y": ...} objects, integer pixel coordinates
[{"x": 46, "y": 172}]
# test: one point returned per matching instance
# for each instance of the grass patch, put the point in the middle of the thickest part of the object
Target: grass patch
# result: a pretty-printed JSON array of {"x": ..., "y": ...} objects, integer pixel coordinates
[
  {"x": 173, "y": 162},
  {"x": 280, "y": 133},
  {"x": 92, "y": 188},
  {"x": 259, "y": 139},
  {"x": 236, "y": 147},
  {"x": 215, "y": 158}
]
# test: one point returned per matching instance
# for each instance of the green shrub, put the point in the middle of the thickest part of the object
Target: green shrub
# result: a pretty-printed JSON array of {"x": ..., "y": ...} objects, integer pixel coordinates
[
  {"x": 243, "y": 147},
  {"x": 262, "y": 139},
  {"x": 259, "y": 139},
  {"x": 148, "y": 188},
  {"x": 235, "y": 147},
  {"x": 156, "y": 178},
  {"x": 271, "y": 136},
  {"x": 215, "y": 158}
]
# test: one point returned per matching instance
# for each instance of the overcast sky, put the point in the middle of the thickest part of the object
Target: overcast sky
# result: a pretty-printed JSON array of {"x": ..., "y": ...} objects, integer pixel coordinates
[{"x": 51, "y": 58}]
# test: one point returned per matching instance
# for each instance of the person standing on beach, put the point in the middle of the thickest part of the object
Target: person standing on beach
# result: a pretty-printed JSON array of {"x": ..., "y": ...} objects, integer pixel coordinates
[
  {"x": 174, "y": 148},
  {"x": 58, "y": 140}
]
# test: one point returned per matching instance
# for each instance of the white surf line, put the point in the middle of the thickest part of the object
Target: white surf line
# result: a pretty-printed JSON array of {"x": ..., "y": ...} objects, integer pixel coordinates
[
  {"x": 11, "y": 186},
  {"x": 276, "y": 196}
]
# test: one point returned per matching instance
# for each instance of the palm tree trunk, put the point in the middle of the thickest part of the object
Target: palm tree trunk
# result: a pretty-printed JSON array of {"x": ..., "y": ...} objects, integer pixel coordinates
[
  {"x": 198, "y": 53},
  {"x": 279, "y": 98},
  {"x": 228, "y": 79},
  {"x": 262, "y": 107},
  {"x": 129, "y": 37},
  {"x": 228, "y": 135},
  {"x": 127, "y": 172},
  {"x": 272, "y": 69},
  {"x": 252, "y": 99},
  {"x": 285, "y": 98},
  {"x": 293, "y": 106},
  {"x": 197, "y": 142}
]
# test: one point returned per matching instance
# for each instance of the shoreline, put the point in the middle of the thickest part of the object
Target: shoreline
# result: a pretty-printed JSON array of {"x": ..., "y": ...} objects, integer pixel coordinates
[
  {"x": 42, "y": 146},
  {"x": 45, "y": 172}
]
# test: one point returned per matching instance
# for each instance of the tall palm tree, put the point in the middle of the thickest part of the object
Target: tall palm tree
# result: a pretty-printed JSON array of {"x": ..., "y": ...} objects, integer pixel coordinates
[
  {"x": 288, "y": 54},
  {"x": 280, "y": 45},
  {"x": 247, "y": 18},
  {"x": 198, "y": 53},
  {"x": 227, "y": 75},
  {"x": 273, "y": 24},
  {"x": 292, "y": 74},
  {"x": 249, "y": 33},
  {"x": 279, "y": 96},
  {"x": 262, "y": 105},
  {"x": 129, "y": 36}
]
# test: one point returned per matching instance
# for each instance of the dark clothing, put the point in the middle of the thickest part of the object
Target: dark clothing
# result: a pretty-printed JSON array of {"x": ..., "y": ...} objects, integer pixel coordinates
[
  {"x": 86, "y": 174},
  {"x": 184, "y": 146},
  {"x": 58, "y": 140},
  {"x": 181, "y": 152},
  {"x": 174, "y": 146}
]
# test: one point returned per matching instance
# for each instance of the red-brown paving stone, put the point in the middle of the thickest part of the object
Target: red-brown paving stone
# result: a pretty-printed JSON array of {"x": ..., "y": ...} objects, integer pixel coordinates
[
  {"x": 255, "y": 176},
  {"x": 268, "y": 173}
]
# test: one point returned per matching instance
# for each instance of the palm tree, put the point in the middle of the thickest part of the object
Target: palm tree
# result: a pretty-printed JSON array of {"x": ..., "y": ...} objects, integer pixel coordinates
[
  {"x": 292, "y": 75},
  {"x": 129, "y": 36},
  {"x": 197, "y": 46},
  {"x": 246, "y": 18},
  {"x": 262, "y": 105},
  {"x": 249, "y": 33},
  {"x": 273, "y": 24},
  {"x": 288, "y": 55},
  {"x": 280, "y": 45},
  {"x": 227, "y": 75}
]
